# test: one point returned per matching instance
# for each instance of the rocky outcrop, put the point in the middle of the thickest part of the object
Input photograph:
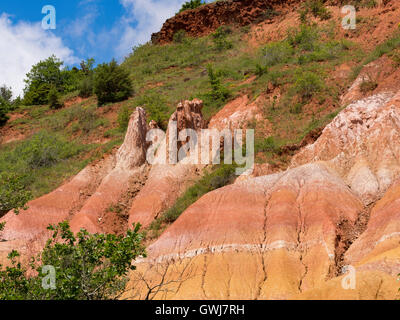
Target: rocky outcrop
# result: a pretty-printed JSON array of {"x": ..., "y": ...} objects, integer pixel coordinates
[
  {"x": 167, "y": 181},
  {"x": 129, "y": 164},
  {"x": 361, "y": 145},
  {"x": 207, "y": 18}
]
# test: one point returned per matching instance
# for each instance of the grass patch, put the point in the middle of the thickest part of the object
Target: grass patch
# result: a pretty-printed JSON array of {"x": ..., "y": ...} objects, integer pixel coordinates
[{"x": 42, "y": 162}]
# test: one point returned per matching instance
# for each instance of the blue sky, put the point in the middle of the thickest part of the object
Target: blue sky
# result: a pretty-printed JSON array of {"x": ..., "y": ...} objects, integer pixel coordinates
[{"x": 102, "y": 29}]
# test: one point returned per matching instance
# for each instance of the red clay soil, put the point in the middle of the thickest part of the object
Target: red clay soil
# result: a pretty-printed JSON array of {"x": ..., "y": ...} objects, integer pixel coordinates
[{"x": 207, "y": 18}]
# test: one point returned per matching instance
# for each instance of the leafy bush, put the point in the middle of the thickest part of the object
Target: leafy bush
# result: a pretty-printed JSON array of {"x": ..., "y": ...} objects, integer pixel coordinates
[
  {"x": 266, "y": 145},
  {"x": 86, "y": 84},
  {"x": 317, "y": 9},
  {"x": 368, "y": 85},
  {"x": 155, "y": 106},
  {"x": 323, "y": 52},
  {"x": 53, "y": 99},
  {"x": 395, "y": 56},
  {"x": 111, "y": 83},
  {"x": 179, "y": 36},
  {"x": 192, "y": 4},
  {"x": 87, "y": 267},
  {"x": 260, "y": 70},
  {"x": 270, "y": 13},
  {"x": 219, "y": 94},
  {"x": 13, "y": 193},
  {"x": 220, "y": 38},
  {"x": 86, "y": 87},
  {"x": 3, "y": 113},
  {"x": 34, "y": 166},
  {"x": 41, "y": 78},
  {"x": 276, "y": 52},
  {"x": 71, "y": 79},
  {"x": 305, "y": 38},
  {"x": 361, "y": 3},
  {"x": 6, "y": 94},
  {"x": 307, "y": 84}
]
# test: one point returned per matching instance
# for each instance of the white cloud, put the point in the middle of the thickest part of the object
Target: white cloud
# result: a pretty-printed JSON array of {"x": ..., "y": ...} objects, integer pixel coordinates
[
  {"x": 23, "y": 45},
  {"x": 142, "y": 19}
]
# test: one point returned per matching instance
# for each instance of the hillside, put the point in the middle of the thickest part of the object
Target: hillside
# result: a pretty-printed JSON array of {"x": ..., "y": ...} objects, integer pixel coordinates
[{"x": 324, "y": 194}]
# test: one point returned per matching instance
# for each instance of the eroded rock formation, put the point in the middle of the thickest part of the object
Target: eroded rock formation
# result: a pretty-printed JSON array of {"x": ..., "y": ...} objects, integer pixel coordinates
[
  {"x": 167, "y": 181},
  {"x": 207, "y": 18},
  {"x": 288, "y": 235}
]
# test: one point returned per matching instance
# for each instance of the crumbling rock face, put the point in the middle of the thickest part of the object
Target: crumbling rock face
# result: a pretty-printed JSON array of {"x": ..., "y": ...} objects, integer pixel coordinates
[
  {"x": 361, "y": 145},
  {"x": 188, "y": 115},
  {"x": 129, "y": 163},
  {"x": 207, "y": 18}
]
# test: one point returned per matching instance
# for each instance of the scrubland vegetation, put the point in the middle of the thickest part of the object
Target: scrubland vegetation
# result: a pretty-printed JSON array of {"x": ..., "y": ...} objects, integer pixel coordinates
[{"x": 61, "y": 139}]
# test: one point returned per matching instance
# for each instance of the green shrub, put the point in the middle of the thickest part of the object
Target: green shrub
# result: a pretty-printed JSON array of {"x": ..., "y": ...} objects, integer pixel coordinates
[
  {"x": 220, "y": 38},
  {"x": 276, "y": 52},
  {"x": 325, "y": 51},
  {"x": 6, "y": 94},
  {"x": 41, "y": 78},
  {"x": 317, "y": 8},
  {"x": 3, "y": 113},
  {"x": 111, "y": 83},
  {"x": 86, "y": 87},
  {"x": 266, "y": 145},
  {"x": 395, "y": 56},
  {"x": 179, "y": 36},
  {"x": 44, "y": 150},
  {"x": 296, "y": 108},
  {"x": 155, "y": 106},
  {"x": 53, "y": 99},
  {"x": 124, "y": 115},
  {"x": 192, "y": 4},
  {"x": 71, "y": 79},
  {"x": 87, "y": 266},
  {"x": 219, "y": 94},
  {"x": 269, "y": 14},
  {"x": 360, "y": 3},
  {"x": 305, "y": 38},
  {"x": 13, "y": 193},
  {"x": 261, "y": 70},
  {"x": 368, "y": 85},
  {"x": 308, "y": 84}
]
